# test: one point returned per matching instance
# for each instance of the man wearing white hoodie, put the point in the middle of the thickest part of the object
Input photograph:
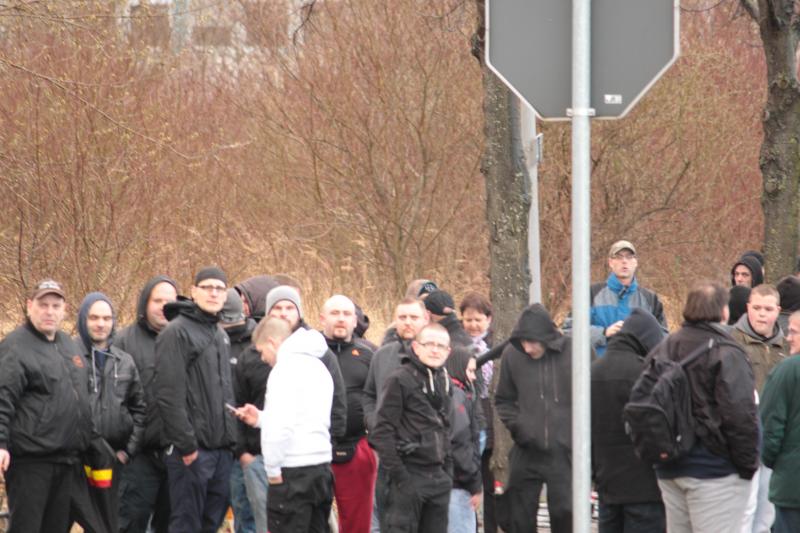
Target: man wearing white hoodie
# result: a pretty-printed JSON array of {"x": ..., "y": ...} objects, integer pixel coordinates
[{"x": 295, "y": 422}]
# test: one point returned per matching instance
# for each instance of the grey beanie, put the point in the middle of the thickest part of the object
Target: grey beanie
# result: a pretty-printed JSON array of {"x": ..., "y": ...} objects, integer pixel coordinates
[
  {"x": 284, "y": 292},
  {"x": 233, "y": 310}
]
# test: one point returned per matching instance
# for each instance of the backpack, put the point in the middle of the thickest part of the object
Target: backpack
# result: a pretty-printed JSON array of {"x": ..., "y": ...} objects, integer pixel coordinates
[{"x": 658, "y": 416}]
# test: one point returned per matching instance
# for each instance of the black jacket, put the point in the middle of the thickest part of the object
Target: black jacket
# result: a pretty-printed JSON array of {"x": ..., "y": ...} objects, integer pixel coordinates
[
  {"x": 620, "y": 476},
  {"x": 139, "y": 340},
  {"x": 117, "y": 398},
  {"x": 385, "y": 361},
  {"x": 465, "y": 439},
  {"x": 250, "y": 377},
  {"x": 412, "y": 423},
  {"x": 723, "y": 402},
  {"x": 534, "y": 396},
  {"x": 44, "y": 397},
  {"x": 354, "y": 359},
  {"x": 458, "y": 337},
  {"x": 193, "y": 380},
  {"x": 240, "y": 340}
]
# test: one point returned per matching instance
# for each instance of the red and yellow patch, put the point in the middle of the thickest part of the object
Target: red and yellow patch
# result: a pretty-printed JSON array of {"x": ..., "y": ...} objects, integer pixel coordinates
[
  {"x": 98, "y": 478},
  {"x": 77, "y": 360},
  {"x": 356, "y": 352}
]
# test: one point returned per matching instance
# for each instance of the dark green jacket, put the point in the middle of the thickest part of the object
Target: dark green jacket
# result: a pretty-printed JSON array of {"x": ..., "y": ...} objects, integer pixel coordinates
[{"x": 780, "y": 418}]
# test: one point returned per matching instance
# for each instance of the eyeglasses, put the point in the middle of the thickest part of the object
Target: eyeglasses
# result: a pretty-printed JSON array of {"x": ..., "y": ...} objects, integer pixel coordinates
[
  {"x": 212, "y": 288},
  {"x": 435, "y": 346}
]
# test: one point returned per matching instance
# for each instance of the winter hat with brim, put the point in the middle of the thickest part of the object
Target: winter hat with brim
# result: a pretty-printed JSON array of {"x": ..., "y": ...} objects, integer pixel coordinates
[{"x": 284, "y": 292}]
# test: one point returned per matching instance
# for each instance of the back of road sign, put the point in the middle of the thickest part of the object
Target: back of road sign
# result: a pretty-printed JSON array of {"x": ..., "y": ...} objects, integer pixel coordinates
[{"x": 529, "y": 45}]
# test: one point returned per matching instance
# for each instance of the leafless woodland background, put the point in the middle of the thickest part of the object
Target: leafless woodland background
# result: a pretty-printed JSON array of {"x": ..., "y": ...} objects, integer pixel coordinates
[{"x": 341, "y": 143}]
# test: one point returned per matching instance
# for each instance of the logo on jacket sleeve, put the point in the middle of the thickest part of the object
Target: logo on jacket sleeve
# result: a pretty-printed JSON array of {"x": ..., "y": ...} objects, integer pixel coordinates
[{"x": 77, "y": 360}]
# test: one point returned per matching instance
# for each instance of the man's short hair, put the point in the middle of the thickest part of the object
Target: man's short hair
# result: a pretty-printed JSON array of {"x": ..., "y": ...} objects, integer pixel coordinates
[
  {"x": 410, "y": 300},
  {"x": 476, "y": 301},
  {"x": 705, "y": 302},
  {"x": 271, "y": 328},
  {"x": 433, "y": 326},
  {"x": 765, "y": 289}
]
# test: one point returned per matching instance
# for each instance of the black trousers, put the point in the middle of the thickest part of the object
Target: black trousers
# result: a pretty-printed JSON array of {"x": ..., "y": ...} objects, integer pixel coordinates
[
  {"x": 143, "y": 492},
  {"x": 489, "y": 523},
  {"x": 199, "y": 493},
  {"x": 517, "y": 509},
  {"x": 302, "y": 502},
  {"x": 418, "y": 504},
  {"x": 40, "y": 496}
]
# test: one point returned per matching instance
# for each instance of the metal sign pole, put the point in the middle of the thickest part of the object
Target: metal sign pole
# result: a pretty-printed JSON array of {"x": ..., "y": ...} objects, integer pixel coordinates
[
  {"x": 531, "y": 145},
  {"x": 581, "y": 189}
]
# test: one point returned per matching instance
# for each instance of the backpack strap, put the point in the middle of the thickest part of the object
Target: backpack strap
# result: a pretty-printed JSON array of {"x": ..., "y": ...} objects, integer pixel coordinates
[{"x": 696, "y": 353}]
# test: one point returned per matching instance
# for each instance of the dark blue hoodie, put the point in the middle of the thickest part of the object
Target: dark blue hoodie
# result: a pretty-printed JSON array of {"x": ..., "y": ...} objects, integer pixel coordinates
[{"x": 97, "y": 356}]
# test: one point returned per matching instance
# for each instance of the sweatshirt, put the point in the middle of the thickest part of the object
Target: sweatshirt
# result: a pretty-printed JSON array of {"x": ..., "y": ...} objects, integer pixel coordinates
[{"x": 296, "y": 419}]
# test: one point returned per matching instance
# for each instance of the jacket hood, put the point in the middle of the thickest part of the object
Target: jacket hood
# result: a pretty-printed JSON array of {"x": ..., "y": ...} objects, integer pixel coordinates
[
  {"x": 144, "y": 296},
  {"x": 185, "y": 306},
  {"x": 83, "y": 314},
  {"x": 303, "y": 341},
  {"x": 362, "y": 321},
  {"x": 456, "y": 364},
  {"x": 534, "y": 324},
  {"x": 255, "y": 290},
  {"x": 640, "y": 331},
  {"x": 753, "y": 266},
  {"x": 743, "y": 325}
]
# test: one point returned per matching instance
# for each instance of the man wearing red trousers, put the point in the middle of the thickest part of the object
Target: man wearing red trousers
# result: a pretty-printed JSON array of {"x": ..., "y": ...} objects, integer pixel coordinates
[{"x": 354, "y": 465}]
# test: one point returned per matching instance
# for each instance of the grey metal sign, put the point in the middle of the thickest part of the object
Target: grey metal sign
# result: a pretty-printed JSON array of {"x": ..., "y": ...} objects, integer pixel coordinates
[{"x": 529, "y": 46}]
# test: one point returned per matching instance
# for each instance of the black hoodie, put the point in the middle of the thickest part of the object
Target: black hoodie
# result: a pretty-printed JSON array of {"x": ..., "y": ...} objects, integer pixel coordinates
[
  {"x": 193, "y": 380},
  {"x": 534, "y": 396},
  {"x": 753, "y": 266},
  {"x": 620, "y": 476},
  {"x": 139, "y": 340}
]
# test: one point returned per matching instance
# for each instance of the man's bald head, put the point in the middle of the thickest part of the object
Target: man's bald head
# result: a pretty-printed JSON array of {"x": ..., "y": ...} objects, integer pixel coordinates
[{"x": 338, "y": 318}]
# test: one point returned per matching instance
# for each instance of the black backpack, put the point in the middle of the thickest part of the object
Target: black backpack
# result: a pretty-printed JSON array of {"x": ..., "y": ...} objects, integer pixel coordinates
[{"x": 658, "y": 416}]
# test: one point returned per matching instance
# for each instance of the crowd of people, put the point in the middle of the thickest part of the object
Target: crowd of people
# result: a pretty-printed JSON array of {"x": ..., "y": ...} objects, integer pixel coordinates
[{"x": 230, "y": 398}]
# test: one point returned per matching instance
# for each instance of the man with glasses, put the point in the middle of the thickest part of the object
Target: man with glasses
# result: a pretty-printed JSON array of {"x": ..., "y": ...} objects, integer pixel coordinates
[
  {"x": 412, "y": 436},
  {"x": 193, "y": 386},
  {"x": 613, "y": 300}
]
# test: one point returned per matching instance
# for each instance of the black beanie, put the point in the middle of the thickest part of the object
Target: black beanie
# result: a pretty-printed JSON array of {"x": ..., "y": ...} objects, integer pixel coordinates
[
  {"x": 438, "y": 302},
  {"x": 211, "y": 272},
  {"x": 789, "y": 290}
]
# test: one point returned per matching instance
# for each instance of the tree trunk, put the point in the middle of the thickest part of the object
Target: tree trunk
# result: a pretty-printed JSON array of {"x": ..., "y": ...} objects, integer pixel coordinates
[
  {"x": 780, "y": 151},
  {"x": 507, "y": 205}
]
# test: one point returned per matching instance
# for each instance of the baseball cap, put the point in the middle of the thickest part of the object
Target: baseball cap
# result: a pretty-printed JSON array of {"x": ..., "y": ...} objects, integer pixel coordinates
[
  {"x": 618, "y": 246},
  {"x": 47, "y": 286}
]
